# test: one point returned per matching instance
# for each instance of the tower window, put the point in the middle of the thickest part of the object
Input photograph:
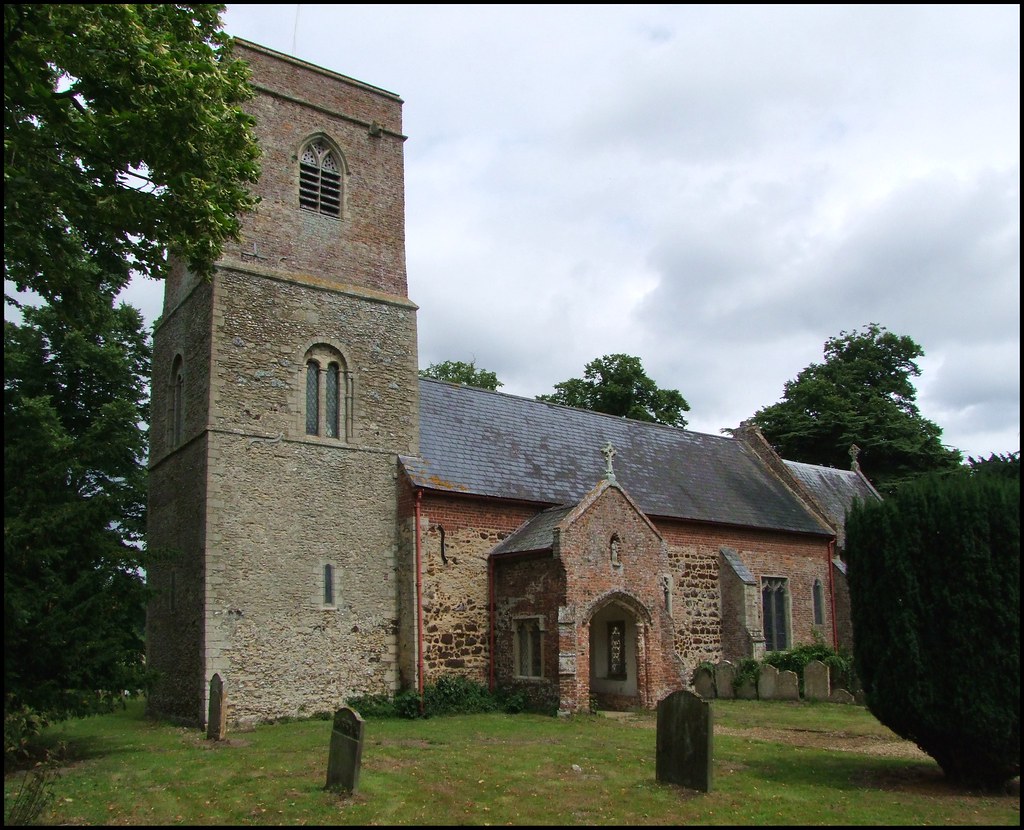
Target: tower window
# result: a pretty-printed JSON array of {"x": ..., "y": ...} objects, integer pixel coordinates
[
  {"x": 312, "y": 398},
  {"x": 328, "y": 584},
  {"x": 328, "y": 395},
  {"x": 320, "y": 180},
  {"x": 177, "y": 425}
]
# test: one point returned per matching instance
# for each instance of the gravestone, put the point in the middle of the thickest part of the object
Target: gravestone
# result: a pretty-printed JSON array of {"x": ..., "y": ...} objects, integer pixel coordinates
[
  {"x": 704, "y": 682},
  {"x": 840, "y": 696},
  {"x": 787, "y": 686},
  {"x": 684, "y": 741},
  {"x": 747, "y": 690},
  {"x": 767, "y": 681},
  {"x": 346, "y": 754},
  {"x": 816, "y": 681},
  {"x": 725, "y": 673},
  {"x": 217, "y": 718}
]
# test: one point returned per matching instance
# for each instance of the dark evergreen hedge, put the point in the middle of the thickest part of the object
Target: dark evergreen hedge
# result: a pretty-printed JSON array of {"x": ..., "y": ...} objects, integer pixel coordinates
[{"x": 934, "y": 574}]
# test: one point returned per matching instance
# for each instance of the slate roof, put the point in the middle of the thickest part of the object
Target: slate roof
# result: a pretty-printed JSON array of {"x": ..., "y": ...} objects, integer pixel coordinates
[
  {"x": 835, "y": 490},
  {"x": 491, "y": 444},
  {"x": 536, "y": 534}
]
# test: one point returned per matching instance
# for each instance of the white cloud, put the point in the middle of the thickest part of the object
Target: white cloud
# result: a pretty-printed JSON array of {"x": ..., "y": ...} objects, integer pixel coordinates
[{"x": 714, "y": 189}]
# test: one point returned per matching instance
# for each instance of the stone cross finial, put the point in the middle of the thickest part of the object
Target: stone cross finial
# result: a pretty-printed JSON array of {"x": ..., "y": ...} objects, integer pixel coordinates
[
  {"x": 854, "y": 452},
  {"x": 608, "y": 451}
]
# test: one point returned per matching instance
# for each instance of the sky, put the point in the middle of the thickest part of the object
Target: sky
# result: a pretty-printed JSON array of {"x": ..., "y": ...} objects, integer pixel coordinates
[{"x": 717, "y": 190}]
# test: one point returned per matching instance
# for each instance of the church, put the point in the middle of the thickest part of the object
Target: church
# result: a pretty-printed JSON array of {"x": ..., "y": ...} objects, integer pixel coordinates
[{"x": 325, "y": 523}]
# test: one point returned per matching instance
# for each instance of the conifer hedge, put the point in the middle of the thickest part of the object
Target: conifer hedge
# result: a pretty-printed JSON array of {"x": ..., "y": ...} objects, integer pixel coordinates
[{"x": 934, "y": 575}]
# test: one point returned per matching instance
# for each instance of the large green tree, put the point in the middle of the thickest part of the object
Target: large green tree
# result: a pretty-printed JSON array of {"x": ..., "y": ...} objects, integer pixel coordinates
[
  {"x": 934, "y": 573},
  {"x": 861, "y": 394},
  {"x": 124, "y": 141},
  {"x": 618, "y": 385},
  {"x": 457, "y": 371},
  {"x": 123, "y": 138},
  {"x": 75, "y": 392}
]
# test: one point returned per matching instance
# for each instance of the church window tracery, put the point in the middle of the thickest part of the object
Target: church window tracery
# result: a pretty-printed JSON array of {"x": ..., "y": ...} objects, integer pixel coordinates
[
  {"x": 775, "y": 612},
  {"x": 321, "y": 170}
]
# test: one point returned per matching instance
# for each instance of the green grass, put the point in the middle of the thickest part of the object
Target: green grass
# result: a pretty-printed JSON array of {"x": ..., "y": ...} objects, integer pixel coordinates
[{"x": 775, "y": 763}]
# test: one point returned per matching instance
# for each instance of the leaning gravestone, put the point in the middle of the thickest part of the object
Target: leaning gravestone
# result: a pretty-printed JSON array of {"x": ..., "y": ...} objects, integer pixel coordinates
[
  {"x": 685, "y": 741},
  {"x": 704, "y": 682},
  {"x": 346, "y": 751},
  {"x": 217, "y": 719},
  {"x": 816, "y": 681}
]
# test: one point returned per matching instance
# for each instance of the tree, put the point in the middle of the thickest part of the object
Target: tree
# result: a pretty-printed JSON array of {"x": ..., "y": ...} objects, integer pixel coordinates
[
  {"x": 124, "y": 141},
  {"x": 75, "y": 392},
  {"x": 455, "y": 371},
  {"x": 862, "y": 394},
  {"x": 934, "y": 576},
  {"x": 123, "y": 138},
  {"x": 618, "y": 385}
]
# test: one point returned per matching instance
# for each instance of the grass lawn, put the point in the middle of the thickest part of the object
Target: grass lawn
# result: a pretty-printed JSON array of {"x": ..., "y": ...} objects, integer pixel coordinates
[{"x": 775, "y": 763}]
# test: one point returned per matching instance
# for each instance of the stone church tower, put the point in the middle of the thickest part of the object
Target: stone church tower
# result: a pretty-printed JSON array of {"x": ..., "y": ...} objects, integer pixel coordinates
[{"x": 284, "y": 391}]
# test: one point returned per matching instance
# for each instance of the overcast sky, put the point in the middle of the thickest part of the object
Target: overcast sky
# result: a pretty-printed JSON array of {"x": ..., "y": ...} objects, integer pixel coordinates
[{"x": 716, "y": 190}]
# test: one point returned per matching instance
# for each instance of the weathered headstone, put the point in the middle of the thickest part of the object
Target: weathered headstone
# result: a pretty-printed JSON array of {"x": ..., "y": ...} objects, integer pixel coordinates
[
  {"x": 747, "y": 690},
  {"x": 840, "y": 696},
  {"x": 725, "y": 673},
  {"x": 704, "y": 682},
  {"x": 767, "y": 681},
  {"x": 685, "y": 733},
  {"x": 787, "y": 686},
  {"x": 816, "y": 681},
  {"x": 217, "y": 717},
  {"x": 346, "y": 754}
]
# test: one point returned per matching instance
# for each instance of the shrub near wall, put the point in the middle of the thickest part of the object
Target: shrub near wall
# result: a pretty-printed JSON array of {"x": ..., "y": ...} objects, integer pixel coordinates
[{"x": 934, "y": 577}]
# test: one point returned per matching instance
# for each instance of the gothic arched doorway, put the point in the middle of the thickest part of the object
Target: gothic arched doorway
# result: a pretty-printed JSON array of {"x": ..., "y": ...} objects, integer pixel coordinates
[{"x": 617, "y": 679}]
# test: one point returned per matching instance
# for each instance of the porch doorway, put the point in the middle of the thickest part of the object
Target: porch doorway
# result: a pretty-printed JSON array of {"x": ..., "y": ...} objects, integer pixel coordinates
[{"x": 615, "y": 681}]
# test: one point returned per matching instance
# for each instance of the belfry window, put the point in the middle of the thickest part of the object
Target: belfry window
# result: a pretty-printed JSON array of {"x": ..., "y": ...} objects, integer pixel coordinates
[{"x": 320, "y": 179}]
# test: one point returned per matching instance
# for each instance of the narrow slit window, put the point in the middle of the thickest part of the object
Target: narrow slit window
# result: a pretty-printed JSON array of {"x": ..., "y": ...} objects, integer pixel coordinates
[
  {"x": 312, "y": 398},
  {"x": 328, "y": 584},
  {"x": 333, "y": 376},
  {"x": 320, "y": 180},
  {"x": 819, "y": 603}
]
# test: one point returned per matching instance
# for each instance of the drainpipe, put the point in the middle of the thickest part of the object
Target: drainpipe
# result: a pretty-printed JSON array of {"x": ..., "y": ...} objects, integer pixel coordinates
[
  {"x": 832, "y": 593},
  {"x": 419, "y": 604},
  {"x": 492, "y": 610}
]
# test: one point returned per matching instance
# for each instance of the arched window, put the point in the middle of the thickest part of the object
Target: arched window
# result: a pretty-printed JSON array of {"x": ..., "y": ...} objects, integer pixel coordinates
[
  {"x": 819, "y": 603},
  {"x": 775, "y": 613},
  {"x": 331, "y": 400},
  {"x": 320, "y": 178},
  {"x": 312, "y": 398},
  {"x": 328, "y": 396},
  {"x": 177, "y": 422}
]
